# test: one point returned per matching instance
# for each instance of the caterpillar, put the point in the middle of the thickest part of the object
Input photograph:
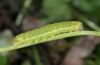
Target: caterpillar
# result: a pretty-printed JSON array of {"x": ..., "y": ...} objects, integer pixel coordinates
[{"x": 48, "y": 32}]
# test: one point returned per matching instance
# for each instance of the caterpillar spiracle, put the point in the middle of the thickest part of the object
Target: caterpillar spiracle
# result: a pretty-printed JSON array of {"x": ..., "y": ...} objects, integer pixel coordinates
[{"x": 47, "y": 33}]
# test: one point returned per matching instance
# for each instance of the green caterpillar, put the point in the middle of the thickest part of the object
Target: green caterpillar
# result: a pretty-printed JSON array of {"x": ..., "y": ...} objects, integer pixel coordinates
[{"x": 47, "y": 32}]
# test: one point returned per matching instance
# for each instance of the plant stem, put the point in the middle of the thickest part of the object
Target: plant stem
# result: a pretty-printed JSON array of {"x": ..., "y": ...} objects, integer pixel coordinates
[{"x": 64, "y": 35}]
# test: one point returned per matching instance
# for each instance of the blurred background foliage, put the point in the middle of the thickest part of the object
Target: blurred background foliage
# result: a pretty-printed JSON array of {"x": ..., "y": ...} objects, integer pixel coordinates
[{"x": 17, "y": 16}]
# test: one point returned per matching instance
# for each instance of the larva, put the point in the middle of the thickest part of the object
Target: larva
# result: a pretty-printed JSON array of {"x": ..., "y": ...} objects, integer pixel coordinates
[{"x": 47, "y": 32}]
